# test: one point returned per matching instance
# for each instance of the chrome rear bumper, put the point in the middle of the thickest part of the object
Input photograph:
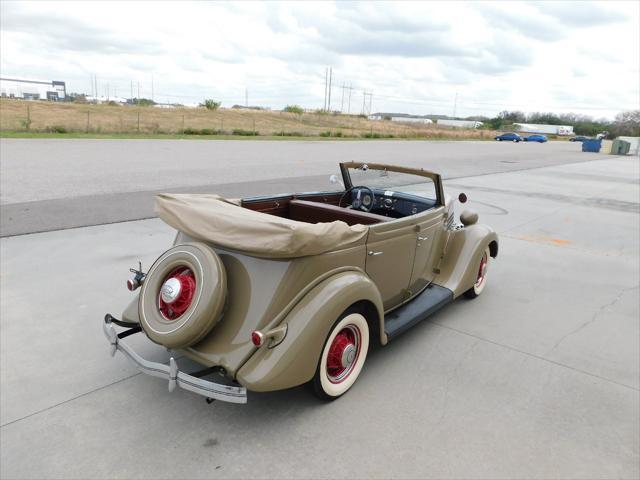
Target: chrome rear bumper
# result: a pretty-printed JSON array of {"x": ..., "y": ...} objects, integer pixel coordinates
[{"x": 170, "y": 372}]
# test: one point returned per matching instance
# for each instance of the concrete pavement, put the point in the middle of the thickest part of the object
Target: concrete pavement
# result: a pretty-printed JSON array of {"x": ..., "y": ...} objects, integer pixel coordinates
[{"x": 537, "y": 378}]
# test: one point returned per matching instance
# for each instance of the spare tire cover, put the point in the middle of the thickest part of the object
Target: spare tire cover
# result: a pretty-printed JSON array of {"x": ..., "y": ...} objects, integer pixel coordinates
[{"x": 183, "y": 295}]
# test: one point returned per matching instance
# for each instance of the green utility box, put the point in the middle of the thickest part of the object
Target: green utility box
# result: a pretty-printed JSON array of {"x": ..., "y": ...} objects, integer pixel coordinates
[{"x": 620, "y": 147}]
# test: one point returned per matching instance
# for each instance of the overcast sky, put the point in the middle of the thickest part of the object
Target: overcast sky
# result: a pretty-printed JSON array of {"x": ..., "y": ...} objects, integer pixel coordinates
[{"x": 414, "y": 57}]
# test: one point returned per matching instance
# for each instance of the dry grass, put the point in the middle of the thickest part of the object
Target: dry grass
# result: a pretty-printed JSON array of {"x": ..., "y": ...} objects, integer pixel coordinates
[{"x": 84, "y": 118}]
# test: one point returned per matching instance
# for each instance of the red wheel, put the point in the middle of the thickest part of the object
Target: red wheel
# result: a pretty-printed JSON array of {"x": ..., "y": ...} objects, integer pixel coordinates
[
  {"x": 342, "y": 357},
  {"x": 176, "y": 294},
  {"x": 343, "y": 354},
  {"x": 481, "y": 277}
]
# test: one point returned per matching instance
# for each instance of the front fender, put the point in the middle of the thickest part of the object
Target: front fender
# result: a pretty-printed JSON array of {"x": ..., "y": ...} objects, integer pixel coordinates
[
  {"x": 459, "y": 267},
  {"x": 294, "y": 361}
]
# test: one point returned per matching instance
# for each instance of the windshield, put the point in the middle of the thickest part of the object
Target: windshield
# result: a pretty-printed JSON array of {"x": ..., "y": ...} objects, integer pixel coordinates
[{"x": 382, "y": 179}]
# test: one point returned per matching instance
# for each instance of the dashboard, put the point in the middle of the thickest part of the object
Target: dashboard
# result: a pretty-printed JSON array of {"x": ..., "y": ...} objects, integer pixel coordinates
[{"x": 392, "y": 204}]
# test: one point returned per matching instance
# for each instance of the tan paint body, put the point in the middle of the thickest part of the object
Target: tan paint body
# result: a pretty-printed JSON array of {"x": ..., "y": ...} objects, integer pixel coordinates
[{"x": 306, "y": 296}]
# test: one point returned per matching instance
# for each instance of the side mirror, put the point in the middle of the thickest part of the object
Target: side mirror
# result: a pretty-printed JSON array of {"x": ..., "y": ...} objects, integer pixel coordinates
[{"x": 462, "y": 198}]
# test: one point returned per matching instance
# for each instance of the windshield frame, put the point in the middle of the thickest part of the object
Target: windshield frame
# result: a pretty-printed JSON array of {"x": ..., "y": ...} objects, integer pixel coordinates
[{"x": 436, "y": 178}]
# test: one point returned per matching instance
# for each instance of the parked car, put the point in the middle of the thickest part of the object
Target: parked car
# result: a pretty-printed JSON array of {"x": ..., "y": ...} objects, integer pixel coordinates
[
  {"x": 579, "y": 138},
  {"x": 274, "y": 292},
  {"x": 509, "y": 137},
  {"x": 536, "y": 138}
]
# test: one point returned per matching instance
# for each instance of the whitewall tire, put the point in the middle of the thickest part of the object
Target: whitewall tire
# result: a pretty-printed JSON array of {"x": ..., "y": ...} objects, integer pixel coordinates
[
  {"x": 343, "y": 356},
  {"x": 481, "y": 277}
]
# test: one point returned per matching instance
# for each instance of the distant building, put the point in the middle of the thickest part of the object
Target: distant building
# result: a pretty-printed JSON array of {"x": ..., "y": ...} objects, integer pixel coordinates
[
  {"x": 32, "y": 89},
  {"x": 400, "y": 117},
  {"x": 546, "y": 129},
  {"x": 105, "y": 99},
  {"x": 459, "y": 123}
]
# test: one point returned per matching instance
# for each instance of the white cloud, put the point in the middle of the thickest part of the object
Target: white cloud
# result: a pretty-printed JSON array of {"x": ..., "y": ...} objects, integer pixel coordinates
[{"x": 414, "y": 56}]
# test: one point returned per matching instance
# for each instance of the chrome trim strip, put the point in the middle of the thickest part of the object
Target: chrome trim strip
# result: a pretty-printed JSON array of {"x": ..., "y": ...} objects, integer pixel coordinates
[{"x": 172, "y": 374}]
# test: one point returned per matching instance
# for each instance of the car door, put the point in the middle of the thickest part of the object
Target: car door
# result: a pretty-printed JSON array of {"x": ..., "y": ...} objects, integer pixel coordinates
[
  {"x": 429, "y": 229},
  {"x": 391, "y": 248}
]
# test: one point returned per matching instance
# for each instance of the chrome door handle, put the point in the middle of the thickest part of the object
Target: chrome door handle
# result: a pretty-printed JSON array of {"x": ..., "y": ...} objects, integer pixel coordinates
[
  {"x": 374, "y": 254},
  {"x": 420, "y": 239}
]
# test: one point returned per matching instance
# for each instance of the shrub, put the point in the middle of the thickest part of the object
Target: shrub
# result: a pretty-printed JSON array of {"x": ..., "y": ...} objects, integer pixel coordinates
[
  {"x": 294, "y": 109},
  {"x": 211, "y": 131},
  {"x": 56, "y": 129},
  {"x": 143, "y": 102},
  {"x": 288, "y": 134},
  {"x": 329, "y": 133},
  {"x": 203, "y": 131},
  {"x": 244, "y": 133},
  {"x": 210, "y": 104},
  {"x": 377, "y": 135}
]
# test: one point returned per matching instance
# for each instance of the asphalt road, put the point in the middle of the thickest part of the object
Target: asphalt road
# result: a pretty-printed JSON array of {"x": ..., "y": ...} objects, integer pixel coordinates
[
  {"x": 56, "y": 184},
  {"x": 537, "y": 378}
]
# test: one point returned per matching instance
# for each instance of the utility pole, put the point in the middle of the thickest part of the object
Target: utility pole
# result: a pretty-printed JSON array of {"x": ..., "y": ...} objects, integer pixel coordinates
[
  {"x": 364, "y": 99},
  {"x": 455, "y": 105},
  {"x": 342, "y": 99},
  {"x": 370, "y": 102},
  {"x": 349, "y": 102},
  {"x": 330, "y": 77},
  {"x": 326, "y": 79}
]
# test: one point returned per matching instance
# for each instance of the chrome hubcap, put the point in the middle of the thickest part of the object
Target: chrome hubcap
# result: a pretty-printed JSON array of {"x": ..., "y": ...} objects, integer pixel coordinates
[
  {"x": 170, "y": 290},
  {"x": 348, "y": 356}
]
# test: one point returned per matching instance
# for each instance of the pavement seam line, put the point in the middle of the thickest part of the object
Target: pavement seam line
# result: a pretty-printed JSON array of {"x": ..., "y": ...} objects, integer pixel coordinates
[
  {"x": 69, "y": 400},
  {"x": 533, "y": 355}
]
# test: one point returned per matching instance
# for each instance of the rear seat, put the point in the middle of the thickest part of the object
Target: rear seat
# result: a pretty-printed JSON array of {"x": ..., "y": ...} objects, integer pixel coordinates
[{"x": 313, "y": 212}]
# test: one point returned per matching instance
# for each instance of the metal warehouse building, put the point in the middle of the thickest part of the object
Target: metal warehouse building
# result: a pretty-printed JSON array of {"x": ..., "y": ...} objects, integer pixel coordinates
[
  {"x": 32, "y": 89},
  {"x": 400, "y": 117}
]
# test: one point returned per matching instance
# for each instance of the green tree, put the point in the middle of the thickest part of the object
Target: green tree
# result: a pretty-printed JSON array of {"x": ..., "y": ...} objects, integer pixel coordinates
[
  {"x": 626, "y": 124},
  {"x": 210, "y": 104},
  {"x": 294, "y": 109}
]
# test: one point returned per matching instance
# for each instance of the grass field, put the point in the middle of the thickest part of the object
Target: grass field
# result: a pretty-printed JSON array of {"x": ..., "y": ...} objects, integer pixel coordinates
[{"x": 20, "y": 118}]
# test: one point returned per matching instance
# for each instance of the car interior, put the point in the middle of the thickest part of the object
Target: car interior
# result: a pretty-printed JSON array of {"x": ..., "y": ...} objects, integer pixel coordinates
[{"x": 357, "y": 205}]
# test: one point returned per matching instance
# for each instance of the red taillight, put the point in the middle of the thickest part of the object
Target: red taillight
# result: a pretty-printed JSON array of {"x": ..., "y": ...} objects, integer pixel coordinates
[
  {"x": 257, "y": 338},
  {"x": 132, "y": 284}
]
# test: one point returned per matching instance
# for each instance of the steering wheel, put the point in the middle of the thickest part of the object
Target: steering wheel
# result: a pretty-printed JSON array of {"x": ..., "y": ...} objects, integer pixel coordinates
[{"x": 358, "y": 203}]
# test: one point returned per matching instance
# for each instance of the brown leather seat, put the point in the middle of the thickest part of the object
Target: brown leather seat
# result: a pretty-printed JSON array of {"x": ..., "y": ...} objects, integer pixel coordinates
[{"x": 313, "y": 212}]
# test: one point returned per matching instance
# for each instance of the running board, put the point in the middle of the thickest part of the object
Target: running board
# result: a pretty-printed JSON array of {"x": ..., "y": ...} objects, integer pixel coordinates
[{"x": 432, "y": 299}]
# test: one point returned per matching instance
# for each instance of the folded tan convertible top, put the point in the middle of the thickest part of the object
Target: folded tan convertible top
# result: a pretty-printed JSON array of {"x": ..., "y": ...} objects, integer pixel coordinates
[{"x": 223, "y": 222}]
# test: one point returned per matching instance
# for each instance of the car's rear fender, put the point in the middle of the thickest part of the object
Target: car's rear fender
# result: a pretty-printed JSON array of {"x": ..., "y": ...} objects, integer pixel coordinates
[
  {"x": 293, "y": 361},
  {"x": 459, "y": 268}
]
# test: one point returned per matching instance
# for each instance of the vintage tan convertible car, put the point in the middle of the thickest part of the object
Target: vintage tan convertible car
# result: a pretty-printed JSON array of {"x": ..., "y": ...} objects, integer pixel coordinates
[{"x": 271, "y": 293}]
